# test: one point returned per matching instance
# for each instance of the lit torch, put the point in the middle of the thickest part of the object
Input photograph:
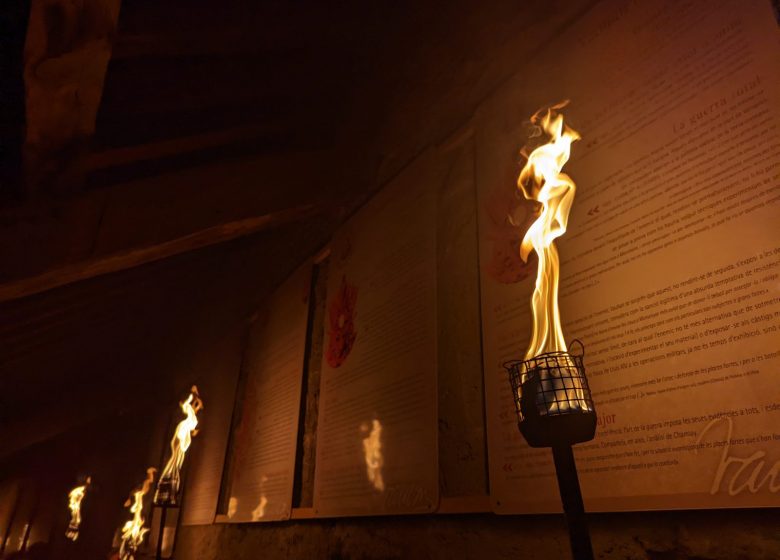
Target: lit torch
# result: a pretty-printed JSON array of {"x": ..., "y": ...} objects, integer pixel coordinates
[
  {"x": 170, "y": 480},
  {"x": 74, "y": 505},
  {"x": 551, "y": 394},
  {"x": 133, "y": 531}
]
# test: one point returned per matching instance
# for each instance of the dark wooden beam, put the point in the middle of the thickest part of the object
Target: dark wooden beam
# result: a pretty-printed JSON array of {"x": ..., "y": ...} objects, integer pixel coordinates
[
  {"x": 128, "y": 155},
  {"x": 51, "y": 233},
  {"x": 136, "y": 257}
]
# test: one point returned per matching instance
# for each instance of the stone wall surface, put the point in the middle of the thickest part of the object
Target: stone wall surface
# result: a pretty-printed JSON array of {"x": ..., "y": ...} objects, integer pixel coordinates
[{"x": 690, "y": 535}]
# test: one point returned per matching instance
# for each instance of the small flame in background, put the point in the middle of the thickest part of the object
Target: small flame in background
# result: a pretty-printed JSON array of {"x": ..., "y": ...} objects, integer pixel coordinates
[
  {"x": 541, "y": 180},
  {"x": 182, "y": 438},
  {"x": 133, "y": 532},
  {"x": 372, "y": 449},
  {"x": 74, "y": 504}
]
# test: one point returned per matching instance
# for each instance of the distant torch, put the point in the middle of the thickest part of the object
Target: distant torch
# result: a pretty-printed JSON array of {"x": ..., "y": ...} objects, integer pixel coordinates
[
  {"x": 134, "y": 531},
  {"x": 168, "y": 485}
]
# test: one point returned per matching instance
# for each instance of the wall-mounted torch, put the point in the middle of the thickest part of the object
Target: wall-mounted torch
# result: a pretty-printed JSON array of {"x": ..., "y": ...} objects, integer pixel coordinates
[
  {"x": 75, "y": 497},
  {"x": 134, "y": 530},
  {"x": 167, "y": 493}
]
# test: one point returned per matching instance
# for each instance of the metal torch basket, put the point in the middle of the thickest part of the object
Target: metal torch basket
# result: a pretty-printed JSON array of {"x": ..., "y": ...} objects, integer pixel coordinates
[
  {"x": 165, "y": 495},
  {"x": 552, "y": 398}
]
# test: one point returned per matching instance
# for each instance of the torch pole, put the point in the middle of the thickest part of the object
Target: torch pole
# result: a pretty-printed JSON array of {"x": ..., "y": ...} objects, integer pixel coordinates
[
  {"x": 161, "y": 532},
  {"x": 571, "y": 497}
]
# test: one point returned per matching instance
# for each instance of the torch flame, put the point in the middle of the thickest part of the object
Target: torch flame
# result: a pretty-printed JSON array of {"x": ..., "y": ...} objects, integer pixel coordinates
[
  {"x": 541, "y": 181},
  {"x": 133, "y": 531},
  {"x": 182, "y": 438},
  {"x": 74, "y": 504}
]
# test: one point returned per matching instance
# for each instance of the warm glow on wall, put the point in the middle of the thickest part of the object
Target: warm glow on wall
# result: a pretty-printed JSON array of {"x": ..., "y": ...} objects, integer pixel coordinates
[{"x": 372, "y": 450}]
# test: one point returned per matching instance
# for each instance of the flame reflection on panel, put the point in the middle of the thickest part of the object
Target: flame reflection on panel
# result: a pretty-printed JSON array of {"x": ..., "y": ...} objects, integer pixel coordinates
[
  {"x": 232, "y": 506},
  {"x": 133, "y": 532},
  {"x": 372, "y": 449},
  {"x": 168, "y": 485},
  {"x": 259, "y": 512},
  {"x": 541, "y": 180},
  {"x": 74, "y": 505},
  {"x": 23, "y": 537}
]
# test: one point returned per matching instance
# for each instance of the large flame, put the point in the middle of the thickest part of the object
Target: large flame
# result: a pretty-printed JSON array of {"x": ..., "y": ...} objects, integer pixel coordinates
[
  {"x": 541, "y": 180},
  {"x": 182, "y": 438},
  {"x": 133, "y": 531},
  {"x": 74, "y": 504}
]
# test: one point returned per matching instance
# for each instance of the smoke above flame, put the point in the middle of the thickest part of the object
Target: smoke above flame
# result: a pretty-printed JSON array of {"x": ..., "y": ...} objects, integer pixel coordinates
[
  {"x": 180, "y": 443},
  {"x": 74, "y": 505},
  {"x": 541, "y": 180},
  {"x": 133, "y": 531}
]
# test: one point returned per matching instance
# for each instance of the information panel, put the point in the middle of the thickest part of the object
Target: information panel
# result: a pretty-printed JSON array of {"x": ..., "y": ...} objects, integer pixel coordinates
[
  {"x": 264, "y": 441},
  {"x": 377, "y": 425},
  {"x": 670, "y": 269}
]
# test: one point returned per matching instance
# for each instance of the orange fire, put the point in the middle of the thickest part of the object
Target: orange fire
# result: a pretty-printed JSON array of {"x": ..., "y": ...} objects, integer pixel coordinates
[
  {"x": 74, "y": 504},
  {"x": 542, "y": 181},
  {"x": 133, "y": 531},
  {"x": 182, "y": 438}
]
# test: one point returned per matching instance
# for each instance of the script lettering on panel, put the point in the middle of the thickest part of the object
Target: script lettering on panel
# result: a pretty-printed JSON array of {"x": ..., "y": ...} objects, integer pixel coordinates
[
  {"x": 265, "y": 437},
  {"x": 377, "y": 427},
  {"x": 670, "y": 269}
]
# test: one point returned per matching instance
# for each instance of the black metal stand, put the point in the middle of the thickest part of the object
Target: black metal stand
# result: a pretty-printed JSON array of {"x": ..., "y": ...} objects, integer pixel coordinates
[
  {"x": 555, "y": 409},
  {"x": 172, "y": 501},
  {"x": 161, "y": 529},
  {"x": 573, "y": 507}
]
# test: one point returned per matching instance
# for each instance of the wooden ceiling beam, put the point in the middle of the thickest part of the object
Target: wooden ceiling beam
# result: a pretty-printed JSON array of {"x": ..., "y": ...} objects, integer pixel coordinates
[
  {"x": 123, "y": 260},
  {"x": 49, "y": 243},
  {"x": 114, "y": 157}
]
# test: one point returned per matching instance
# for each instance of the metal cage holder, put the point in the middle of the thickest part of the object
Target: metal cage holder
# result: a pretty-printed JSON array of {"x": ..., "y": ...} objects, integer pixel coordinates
[
  {"x": 164, "y": 495},
  {"x": 166, "y": 499},
  {"x": 127, "y": 551},
  {"x": 552, "y": 398}
]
